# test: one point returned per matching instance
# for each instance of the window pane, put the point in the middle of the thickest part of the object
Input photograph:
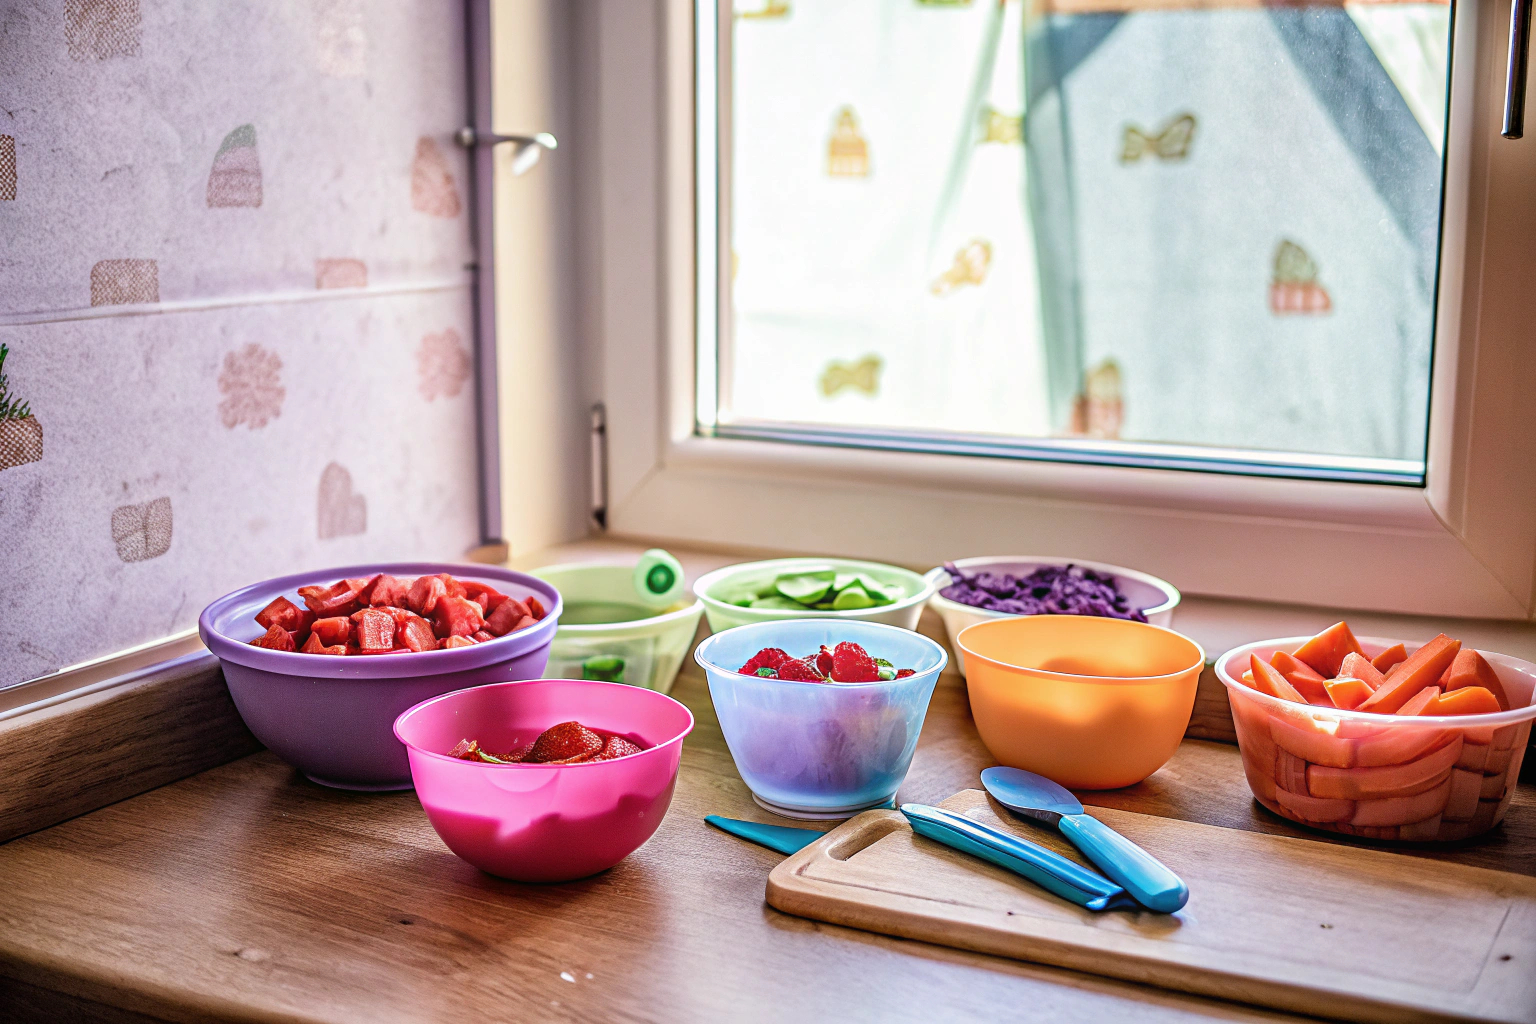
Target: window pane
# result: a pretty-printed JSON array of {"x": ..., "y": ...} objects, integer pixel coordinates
[{"x": 1139, "y": 226}]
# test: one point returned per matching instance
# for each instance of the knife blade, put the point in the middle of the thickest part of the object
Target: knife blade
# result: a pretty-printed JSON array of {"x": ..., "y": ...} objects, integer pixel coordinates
[{"x": 1145, "y": 877}]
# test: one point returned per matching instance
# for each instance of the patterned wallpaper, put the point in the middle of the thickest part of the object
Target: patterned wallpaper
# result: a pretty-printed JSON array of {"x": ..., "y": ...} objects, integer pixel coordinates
[{"x": 233, "y": 290}]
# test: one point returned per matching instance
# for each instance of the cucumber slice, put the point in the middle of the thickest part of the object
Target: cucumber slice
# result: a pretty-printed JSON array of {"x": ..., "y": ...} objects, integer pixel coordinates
[
  {"x": 805, "y": 587},
  {"x": 777, "y": 602},
  {"x": 853, "y": 597}
]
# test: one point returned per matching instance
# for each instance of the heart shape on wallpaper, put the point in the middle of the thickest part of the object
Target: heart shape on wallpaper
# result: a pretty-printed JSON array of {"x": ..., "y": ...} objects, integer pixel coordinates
[
  {"x": 432, "y": 187},
  {"x": 236, "y": 176},
  {"x": 343, "y": 512},
  {"x": 142, "y": 531}
]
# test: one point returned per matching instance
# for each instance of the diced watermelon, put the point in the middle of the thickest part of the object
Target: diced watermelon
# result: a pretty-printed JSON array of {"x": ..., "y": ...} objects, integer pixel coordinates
[
  {"x": 281, "y": 612},
  {"x": 337, "y": 599},
  {"x": 415, "y": 634},
  {"x": 524, "y": 623},
  {"x": 505, "y": 618},
  {"x": 316, "y": 647},
  {"x": 535, "y": 608},
  {"x": 449, "y": 642},
  {"x": 332, "y": 630},
  {"x": 363, "y": 586},
  {"x": 390, "y": 591},
  {"x": 455, "y": 587},
  {"x": 486, "y": 597},
  {"x": 276, "y": 638},
  {"x": 481, "y": 637},
  {"x": 457, "y": 616},
  {"x": 424, "y": 595},
  {"x": 375, "y": 630}
]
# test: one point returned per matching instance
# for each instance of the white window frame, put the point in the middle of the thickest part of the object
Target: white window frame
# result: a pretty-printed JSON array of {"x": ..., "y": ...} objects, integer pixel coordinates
[{"x": 1465, "y": 544}]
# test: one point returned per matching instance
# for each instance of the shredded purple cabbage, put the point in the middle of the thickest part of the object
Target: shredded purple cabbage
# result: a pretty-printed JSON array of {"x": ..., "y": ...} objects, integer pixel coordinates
[{"x": 1049, "y": 590}]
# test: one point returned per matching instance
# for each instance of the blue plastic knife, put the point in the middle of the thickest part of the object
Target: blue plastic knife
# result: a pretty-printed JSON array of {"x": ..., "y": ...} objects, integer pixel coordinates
[
  {"x": 775, "y": 837},
  {"x": 1144, "y": 876},
  {"x": 1045, "y": 868}
]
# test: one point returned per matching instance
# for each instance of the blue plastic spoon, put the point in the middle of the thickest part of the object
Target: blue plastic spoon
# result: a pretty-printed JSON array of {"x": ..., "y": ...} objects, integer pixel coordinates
[
  {"x": 1143, "y": 875},
  {"x": 1046, "y": 868}
]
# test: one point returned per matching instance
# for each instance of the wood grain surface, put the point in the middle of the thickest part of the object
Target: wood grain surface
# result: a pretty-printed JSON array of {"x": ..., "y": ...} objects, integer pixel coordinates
[
  {"x": 95, "y": 750},
  {"x": 1334, "y": 943},
  {"x": 248, "y": 893}
]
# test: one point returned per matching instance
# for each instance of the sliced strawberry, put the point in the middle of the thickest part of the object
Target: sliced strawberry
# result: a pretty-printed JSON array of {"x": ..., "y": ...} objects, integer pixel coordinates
[
  {"x": 565, "y": 743},
  {"x": 852, "y": 664},
  {"x": 337, "y": 599},
  {"x": 824, "y": 660},
  {"x": 902, "y": 673},
  {"x": 448, "y": 643},
  {"x": 535, "y": 608},
  {"x": 506, "y": 616},
  {"x": 424, "y": 595},
  {"x": 415, "y": 634},
  {"x": 375, "y": 631},
  {"x": 281, "y": 612},
  {"x": 457, "y": 616},
  {"x": 801, "y": 670},
  {"x": 390, "y": 590},
  {"x": 276, "y": 638},
  {"x": 333, "y": 630},
  {"x": 616, "y": 747},
  {"x": 768, "y": 657}
]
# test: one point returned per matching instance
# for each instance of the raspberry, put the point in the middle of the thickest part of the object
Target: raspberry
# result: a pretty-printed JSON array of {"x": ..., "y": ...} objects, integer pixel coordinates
[
  {"x": 565, "y": 743},
  {"x": 616, "y": 746},
  {"x": 768, "y": 657},
  {"x": 852, "y": 664},
  {"x": 902, "y": 673},
  {"x": 803, "y": 671},
  {"x": 824, "y": 661}
]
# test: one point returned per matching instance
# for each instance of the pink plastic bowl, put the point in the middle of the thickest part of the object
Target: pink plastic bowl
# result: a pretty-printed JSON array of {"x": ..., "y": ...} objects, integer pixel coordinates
[{"x": 544, "y": 822}]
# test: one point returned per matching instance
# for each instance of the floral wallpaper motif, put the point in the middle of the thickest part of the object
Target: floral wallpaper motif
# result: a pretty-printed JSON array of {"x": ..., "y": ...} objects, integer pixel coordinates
[
  {"x": 251, "y": 383},
  {"x": 232, "y": 266}
]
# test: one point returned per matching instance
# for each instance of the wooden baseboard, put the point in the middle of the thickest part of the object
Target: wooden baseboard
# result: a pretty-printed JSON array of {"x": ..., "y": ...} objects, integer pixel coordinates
[{"x": 81, "y": 754}]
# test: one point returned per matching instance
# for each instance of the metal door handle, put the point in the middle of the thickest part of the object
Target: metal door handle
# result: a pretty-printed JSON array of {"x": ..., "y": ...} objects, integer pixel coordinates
[
  {"x": 1519, "y": 62},
  {"x": 529, "y": 147}
]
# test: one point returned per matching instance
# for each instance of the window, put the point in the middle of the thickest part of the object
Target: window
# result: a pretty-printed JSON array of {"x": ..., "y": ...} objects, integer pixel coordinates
[
  {"x": 1202, "y": 236},
  {"x": 1456, "y": 536}
]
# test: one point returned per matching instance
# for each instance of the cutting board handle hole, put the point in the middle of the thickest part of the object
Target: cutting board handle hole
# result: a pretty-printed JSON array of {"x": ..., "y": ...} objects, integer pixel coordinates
[{"x": 864, "y": 838}]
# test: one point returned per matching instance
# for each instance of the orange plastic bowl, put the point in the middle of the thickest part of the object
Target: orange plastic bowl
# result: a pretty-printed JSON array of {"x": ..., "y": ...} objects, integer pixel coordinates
[
  {"x": 1415, "y": 778},
  {"x": 1093, "y": 703}
]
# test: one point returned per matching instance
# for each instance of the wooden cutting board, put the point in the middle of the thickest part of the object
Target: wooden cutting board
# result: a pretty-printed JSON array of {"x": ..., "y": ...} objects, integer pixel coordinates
[{"x": 1311, "y": 927}]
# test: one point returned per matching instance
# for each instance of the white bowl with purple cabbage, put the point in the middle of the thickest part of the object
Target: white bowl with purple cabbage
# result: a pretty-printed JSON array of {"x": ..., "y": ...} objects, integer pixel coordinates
[{"x": 974, "y": 590}]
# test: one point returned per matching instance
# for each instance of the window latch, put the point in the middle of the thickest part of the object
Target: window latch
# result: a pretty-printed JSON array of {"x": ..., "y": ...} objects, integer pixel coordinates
[
  {"x": 529, "y": 147},
  {"x": 1519, "y": 63}
]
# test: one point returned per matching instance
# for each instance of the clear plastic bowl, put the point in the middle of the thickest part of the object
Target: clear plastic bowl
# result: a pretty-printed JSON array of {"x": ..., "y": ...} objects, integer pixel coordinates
[
  {"x": 817, "y": 750},
  {"x": 645, "y": 651},
  {"x": 1156, "y": 598},
  {"x": 1388, "y": 777},
  {"x": 544, "y": 822},
  {"x": 718, "y": 588}
]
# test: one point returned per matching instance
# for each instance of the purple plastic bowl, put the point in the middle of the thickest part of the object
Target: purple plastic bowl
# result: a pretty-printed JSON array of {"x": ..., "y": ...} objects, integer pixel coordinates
[{"x": 333, "y": 718}]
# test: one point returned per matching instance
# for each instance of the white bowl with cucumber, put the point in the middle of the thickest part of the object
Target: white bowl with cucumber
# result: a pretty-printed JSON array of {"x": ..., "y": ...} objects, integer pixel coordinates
[{"x": 802, "y": 588}]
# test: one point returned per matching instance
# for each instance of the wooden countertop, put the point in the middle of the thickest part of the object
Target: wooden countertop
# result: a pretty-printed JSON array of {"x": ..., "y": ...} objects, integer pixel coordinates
[{"x": 248, "y": 893}]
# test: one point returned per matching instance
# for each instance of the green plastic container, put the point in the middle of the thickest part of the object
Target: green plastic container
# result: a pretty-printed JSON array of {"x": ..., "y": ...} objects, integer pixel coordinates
[
  {"x": 719, "y": 589},
  {"x": 608, "y": 632}
]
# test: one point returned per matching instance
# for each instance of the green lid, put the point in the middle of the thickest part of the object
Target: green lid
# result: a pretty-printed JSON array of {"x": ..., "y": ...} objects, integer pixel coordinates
[{"x": 658, "y": 578}]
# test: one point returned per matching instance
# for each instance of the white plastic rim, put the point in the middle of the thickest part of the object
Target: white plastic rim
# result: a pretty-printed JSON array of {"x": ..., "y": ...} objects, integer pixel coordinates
[
  {"x": 1375, "y": 645},
  {"x": 702, "y": 586},
  {"x": 939, "y": 578}
]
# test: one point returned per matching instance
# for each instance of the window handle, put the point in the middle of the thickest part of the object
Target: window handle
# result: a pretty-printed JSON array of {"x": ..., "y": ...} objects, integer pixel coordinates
[
  {"x": 529, "y": 147},
  {"x": 1519, "y": 61}
]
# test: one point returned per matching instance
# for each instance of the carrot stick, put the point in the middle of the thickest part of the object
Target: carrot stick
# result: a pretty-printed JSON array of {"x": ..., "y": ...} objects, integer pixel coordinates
[
  {"x": 1325, "y": 652},
  {"x": 1394, "y": 655},
  {"x": 1465, "y": 700},
  {"x": 1423, "y": 668},
  {"x": 1359, "y": 667},
  {"x": 1471, "y": 669},
  {"x": 1302, "y": 676},
  {"x": 1418, "y": 702},
  {"x": 1347, "y": 694},
  {"x": 1267, "y": 679}
]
